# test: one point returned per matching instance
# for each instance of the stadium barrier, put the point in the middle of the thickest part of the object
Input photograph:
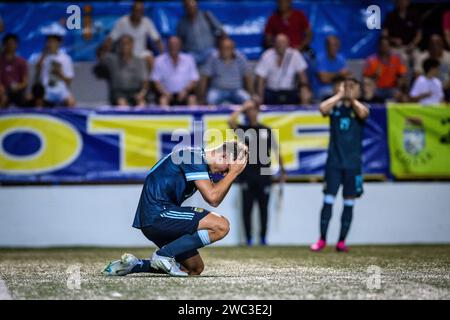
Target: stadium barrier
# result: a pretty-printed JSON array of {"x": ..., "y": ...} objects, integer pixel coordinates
[{"x": 80, "y": 145}]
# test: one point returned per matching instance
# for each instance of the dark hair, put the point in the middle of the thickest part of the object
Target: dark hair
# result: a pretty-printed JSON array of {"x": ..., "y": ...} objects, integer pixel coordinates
[
  {"x": 55, "y": 36},
  {"x": 338, "y": 79},
  {"x": 354, "y": 80},
  {"x": 429, "y": 64},
  {"x": 10, "y": 36}
]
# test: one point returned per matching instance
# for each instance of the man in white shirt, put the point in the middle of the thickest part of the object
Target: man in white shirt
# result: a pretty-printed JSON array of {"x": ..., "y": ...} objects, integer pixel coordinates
[
  {"x": 277, "y": 72},
  {"x": 175, "y": 76},
  {"x": 55, "y": 71},
  {"x": 427, "y": 89},
  {"x": 139, "y": 27}
]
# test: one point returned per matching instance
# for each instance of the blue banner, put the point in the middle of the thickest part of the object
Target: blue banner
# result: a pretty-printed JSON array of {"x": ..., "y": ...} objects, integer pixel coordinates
[
  {"x": 81, "y": 145},
  {"x": 244, "y": 21}
]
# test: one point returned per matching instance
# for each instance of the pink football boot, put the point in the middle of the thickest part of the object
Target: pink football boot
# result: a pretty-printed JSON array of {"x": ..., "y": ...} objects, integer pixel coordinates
[
  {"x": 318, "y": 246},
  {"x": 341, "y": 247}
]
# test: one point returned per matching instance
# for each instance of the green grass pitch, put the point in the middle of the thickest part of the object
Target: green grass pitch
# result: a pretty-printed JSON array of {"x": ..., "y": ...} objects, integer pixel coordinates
[{"x": 406, "y": 272}]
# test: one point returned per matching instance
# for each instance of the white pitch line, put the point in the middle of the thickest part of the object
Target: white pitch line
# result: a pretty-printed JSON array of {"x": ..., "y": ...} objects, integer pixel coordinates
[{"x": 4, "y": 292}]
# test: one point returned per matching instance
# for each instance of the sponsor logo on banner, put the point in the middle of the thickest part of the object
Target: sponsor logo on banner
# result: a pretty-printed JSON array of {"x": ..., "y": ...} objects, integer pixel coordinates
[{"x": 414, "y": 136}]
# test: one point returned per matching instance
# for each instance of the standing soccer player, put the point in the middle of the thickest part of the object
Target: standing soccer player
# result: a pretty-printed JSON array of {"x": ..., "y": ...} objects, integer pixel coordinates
[
  {"x": 343, "y": 167},
  {"x": 179, "y": 231}
]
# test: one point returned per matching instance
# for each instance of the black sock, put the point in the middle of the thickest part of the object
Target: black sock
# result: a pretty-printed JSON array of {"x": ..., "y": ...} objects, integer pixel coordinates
[
  {"x": 325, "y": 217},
  {"x": 346, "y": 220}
]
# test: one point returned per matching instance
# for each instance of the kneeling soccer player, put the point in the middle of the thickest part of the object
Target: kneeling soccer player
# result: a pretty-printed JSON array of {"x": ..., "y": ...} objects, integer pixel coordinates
[
  {"x": 179, "y": 231},
  {"x": 347, "y": 116}
]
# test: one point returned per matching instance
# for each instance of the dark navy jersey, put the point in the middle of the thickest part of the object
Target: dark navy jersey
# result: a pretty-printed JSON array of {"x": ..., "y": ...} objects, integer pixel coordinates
[
  {"x": 170, "y": 182},
  {"x": 346, "y": 134}
]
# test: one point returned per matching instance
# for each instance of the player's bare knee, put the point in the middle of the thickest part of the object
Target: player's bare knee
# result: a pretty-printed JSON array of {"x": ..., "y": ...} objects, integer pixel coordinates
[{"x": 223, "y": 227}]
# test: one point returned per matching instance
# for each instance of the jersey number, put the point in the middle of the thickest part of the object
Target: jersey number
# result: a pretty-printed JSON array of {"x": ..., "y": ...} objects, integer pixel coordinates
[{"x": 344, "y": 124}]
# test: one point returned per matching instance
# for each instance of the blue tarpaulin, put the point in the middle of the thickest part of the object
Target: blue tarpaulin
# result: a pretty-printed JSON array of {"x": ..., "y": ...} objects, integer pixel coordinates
[{"x": 244, "y": 21}]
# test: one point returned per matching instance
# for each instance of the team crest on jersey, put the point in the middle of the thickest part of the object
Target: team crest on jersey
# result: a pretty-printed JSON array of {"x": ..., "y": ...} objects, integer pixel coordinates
[
  {"x": 199, "y": 210},
  {"x": 413, "y": 136}
]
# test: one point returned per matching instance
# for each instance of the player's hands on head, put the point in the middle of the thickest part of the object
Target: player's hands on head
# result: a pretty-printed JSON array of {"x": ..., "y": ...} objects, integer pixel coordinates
[
  {"x": 238, "y": 165},
  {"x": 341, "y": 90}
]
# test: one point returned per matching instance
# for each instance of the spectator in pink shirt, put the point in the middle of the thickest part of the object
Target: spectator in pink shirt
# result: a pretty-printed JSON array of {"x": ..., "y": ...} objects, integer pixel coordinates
[{"x": 13, "y": 73}]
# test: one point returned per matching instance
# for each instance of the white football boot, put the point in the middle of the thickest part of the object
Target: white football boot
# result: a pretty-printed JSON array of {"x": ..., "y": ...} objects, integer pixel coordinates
[
  {"x": 168, "y": 265},
  {"x": 121, "y": 267}
]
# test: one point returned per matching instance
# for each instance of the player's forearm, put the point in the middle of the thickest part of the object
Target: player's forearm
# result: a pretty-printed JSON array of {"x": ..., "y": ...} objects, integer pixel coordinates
[
  {"x": 360, "y": 109},
  {"x": 326, "y": 106},
  {"x": 220, "y": 189}
]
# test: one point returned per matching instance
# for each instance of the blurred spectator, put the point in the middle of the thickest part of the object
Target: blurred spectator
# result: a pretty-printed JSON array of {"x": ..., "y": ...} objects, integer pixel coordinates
[
  {"x": 290, "y": 22},
  {"x": 198, "y": 31},
  {"x": 54, "y": 69},
  {"x": 446, "y": 27},
  {"x": 388, "y": 71},
  {"x": 13, "y": 73},
  {"x": 329, "y": 65},
  {"x": 402, "y": 27},
  {"x": 277, "y": 71},
  {"x": 138, "y": 26},
  {"x": 437, "y": 52},
  {"x": 256, "y": 179},
  {"x": 427, "y": 88},
  {"x": 228, "y": 72},
  {"x": 175, "y": 76},
  {"x": 369, "y": 91},
  {"x": 126, "y": 73},
  {"x": 1, "y": 25}
]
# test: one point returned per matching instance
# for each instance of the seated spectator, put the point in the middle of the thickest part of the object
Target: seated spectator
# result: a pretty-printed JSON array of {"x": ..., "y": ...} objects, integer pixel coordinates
[
  {"x": 291, "y": 22},
  {"x": 175, "y": 76},
  {"x": 402, "y": 27},
  {"x": 277, "y": 72},
  {"x": 13, "y": 73},
  {"x": 427, "y": 88},
  {"x": 387, "y": 69},
  {"x": 198, "y": 31},
  {"x": 126, "y": 73},
  {"x": 446, "y": 27},
  {"x": 228, "y": 72},
  {"x": 329, "y": 65},
  {"x": 54, "y": 69},
  {"x": 141, "y": 28},
  {"x": 437, "y": 52},
  {"x": 369, "y": 91}
]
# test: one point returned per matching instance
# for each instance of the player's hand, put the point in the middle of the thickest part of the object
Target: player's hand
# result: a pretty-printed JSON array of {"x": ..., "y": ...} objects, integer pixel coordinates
[
  {"x": 341, "y": 90},
  {"x": 238, "y": 165}
]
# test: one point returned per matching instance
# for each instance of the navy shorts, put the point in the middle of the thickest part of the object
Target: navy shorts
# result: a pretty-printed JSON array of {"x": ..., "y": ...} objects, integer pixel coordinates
[
  {"x": 350, "y": 179},
  {"x": 173, "y": 223}
]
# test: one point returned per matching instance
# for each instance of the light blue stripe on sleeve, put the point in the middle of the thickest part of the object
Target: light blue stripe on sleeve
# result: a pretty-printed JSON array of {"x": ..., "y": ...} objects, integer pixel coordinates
[
  {"x": 182, "y": 213},
  {"x": 166, "y": 215},
  {"x": 197, "y": 176},
  {"x": 204, "y": 237}
]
